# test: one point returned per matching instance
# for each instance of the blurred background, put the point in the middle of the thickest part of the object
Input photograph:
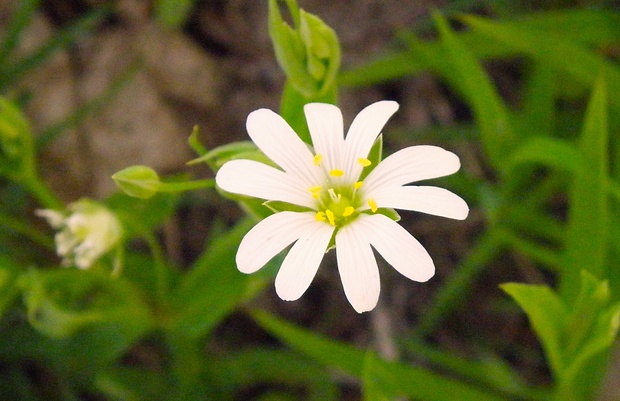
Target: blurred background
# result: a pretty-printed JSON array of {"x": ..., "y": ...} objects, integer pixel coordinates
[{"x": 109, "y": 84}]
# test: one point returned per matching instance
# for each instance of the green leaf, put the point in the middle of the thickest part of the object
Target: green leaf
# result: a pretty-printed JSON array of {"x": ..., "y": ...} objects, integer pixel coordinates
[
  {"x": 590, "y": 28},
  {"x": 550, "y": 152},
  {"x": 256, "y": 366},
  {"x": 539, "y": 106},
  {"x": 552, "y": 50},
  {"x": 19, "y": 21},
  {"x": 393, "y": 378},
  {"x": 548, "y": 316},
  {"x": 460, "y": 283},
  {"x": 587, "y": 233},
  {"x": 173, "y": 13},
  {"x": 371, "y": 388},
  {"x": 9, "y": 287},
  {"x": 11, "y": 74},
  {"x": 87, "y": 309},
  {"x": 214, "y": 286},
  {"x": 489, "y": 109}
]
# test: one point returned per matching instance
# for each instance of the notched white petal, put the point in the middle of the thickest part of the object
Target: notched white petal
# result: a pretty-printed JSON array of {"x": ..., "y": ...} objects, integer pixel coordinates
[
  {"x": 269, "y": 237},
  {"x": 426, "y": 199},
  {"x": 363, "y": 132},
  {"x": 251, "y": 178},
  {"x": 399, "y": 248},
  {"x": 327, "y": 133},
  {"x": 412, "y": 164},
  {"x": 358, "y": 269},
  {"x": 272, "y": 134},
  {"x": 302, "y": 262}
]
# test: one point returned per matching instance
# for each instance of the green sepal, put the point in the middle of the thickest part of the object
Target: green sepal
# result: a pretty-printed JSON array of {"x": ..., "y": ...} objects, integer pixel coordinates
[
  {"x": 233, "y": 151},
  {"x": 389, "y": 213},
  {"x": 195, "y": 143},
  {"x": 375, "y": 156},
  {"x": 279, "y": 206}
]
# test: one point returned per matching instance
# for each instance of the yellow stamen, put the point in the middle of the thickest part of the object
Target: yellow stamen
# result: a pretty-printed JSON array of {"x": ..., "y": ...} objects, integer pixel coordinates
[
  {"x": 317, "y": 160},
  {"x": 358, "y": 185},
  {"x": 336, "y": 173},
  {"x": 364, "y": 162},
  {"x": 372, "y": 204},
  {"x": 330, "y": 217},
  {"x": 320, "y": 216},
  {"x": 348, "y": 211},
  {"x": 315, "y": 191}
]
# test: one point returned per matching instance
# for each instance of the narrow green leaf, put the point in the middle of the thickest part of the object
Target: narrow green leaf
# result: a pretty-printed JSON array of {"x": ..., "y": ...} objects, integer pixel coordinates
[
  {"x": 214, "y": 286},
  {"x": 588, "y": 225},
  {"x": 550, "y": 152},
  {"x": 459, "y": 285},
  {"x": 63, "y": 38},
  {"x": 19, "y": 21},
  {"x": 548, "y": 316},
  {"x": 393, "y": 378},
  {"x": 255, "y": 366},
  {"x": 539, "y": 106},
  {"x": 372, "y": 390},
  {"x": 489, "y": 109},
  {"x": 587, "y": 27},
  {"x": 552, "y": 50}
]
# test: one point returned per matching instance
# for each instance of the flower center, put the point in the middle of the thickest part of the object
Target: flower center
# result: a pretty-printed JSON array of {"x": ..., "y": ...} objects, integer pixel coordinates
[{"x": 338, "y": 203}]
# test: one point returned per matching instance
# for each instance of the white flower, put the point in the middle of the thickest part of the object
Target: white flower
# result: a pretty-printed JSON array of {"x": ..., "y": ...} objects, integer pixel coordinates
[
  {"x": 85, "y": 234},
  {"x": 326, "y": 181}
]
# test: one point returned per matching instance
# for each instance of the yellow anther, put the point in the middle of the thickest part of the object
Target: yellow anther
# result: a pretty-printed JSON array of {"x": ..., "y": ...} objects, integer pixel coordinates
[
  {"x": 317, "y": 160},
  {"x": 336, "y": 173},
  {"x": 315, "y": 191},
  {"x": 330, "y": 217},
  {"x": 358, "y": 185},
  {"x": 372, "y": 204},
  {"x": 364, "y": 162},
  {"x": 320, "y": 216},
  {"x": 348, "y": 211}
]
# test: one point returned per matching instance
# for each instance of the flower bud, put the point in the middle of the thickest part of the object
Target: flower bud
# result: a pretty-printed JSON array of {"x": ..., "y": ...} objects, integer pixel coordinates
[
  {"x": 138, "y": 181},
  {"x": 309, "y": 54}
]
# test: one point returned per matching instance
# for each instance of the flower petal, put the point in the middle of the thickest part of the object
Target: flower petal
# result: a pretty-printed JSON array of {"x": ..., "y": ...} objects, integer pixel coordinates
[
  {"x": 363, "y": 132},
  {"x": 358, "y": 268},
  {"x": 425, "y": 199},
  {"x": 325, "y": 125},
  {"x": 272, "y": 134},
  {"x": 252, "y": 178},
  {"x": 303, "y": 260},
  {"x": 399, "y": 248},
  {"x": 269, "y": 237},
  {"x": 411, "y": 164}
]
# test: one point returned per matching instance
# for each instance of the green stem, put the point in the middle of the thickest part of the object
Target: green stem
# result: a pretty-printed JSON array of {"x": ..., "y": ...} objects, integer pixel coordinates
[
  {"x": 18, "y": 226},
  {"x": 161, "y": 275},
  {"x": 42, "y": 193},
  {"x": 185, "y": 185}
]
